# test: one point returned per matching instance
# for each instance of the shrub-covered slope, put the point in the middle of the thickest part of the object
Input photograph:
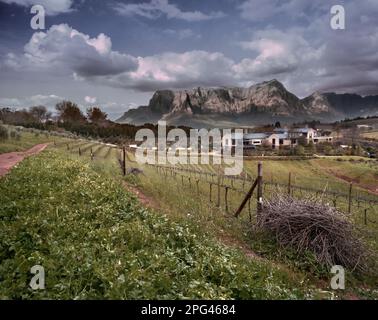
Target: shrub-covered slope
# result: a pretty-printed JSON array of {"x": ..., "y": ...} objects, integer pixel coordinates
[{"x": 95, "y": 241}]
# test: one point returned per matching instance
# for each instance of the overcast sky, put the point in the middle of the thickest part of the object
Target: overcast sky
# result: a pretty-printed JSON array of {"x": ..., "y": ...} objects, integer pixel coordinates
[{"x": 116, "y": 53}]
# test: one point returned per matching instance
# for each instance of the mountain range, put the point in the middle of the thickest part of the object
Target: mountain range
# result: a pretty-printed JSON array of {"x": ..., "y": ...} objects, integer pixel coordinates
[{"x": 234, "y": 106}]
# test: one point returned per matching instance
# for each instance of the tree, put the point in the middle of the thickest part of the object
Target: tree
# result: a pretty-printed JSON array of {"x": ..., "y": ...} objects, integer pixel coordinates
[
  {"x": 69, "y": 112},
  {"x": 95, "y": 115},
  {"x": 40, "y": 113},
  {"x": 277, "y": 124}
]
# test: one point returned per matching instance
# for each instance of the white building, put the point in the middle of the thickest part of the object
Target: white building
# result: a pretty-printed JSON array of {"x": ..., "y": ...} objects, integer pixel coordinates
[
  {"x": 281, "y": 137},
  {"x": 254, "y": 139}
]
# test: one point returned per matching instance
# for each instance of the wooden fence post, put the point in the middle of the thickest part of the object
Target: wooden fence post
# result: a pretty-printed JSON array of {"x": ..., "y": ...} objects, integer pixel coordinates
[
  {"x": 79, "y": 151},
  {"x": 124, "y": 160},
  {"x": 289, "y": 185},
  {"x": 218, "y": 183},
  {"x": 226, "y": 198},
  {"x": 246, "y": 198},
  {"x": 350, "y": 198},
  {"x": 259, "y": 187}
]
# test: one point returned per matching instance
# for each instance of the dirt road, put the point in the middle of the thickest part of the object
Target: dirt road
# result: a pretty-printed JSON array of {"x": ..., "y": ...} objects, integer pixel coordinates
[{"x": 9, "y": 160}]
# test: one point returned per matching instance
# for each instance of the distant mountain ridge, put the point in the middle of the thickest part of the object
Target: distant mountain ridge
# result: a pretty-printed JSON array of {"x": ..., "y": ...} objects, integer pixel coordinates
[{"x": 266, "y": 101}]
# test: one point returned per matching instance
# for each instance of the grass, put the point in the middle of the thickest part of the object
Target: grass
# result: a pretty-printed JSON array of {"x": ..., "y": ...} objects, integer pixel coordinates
[
  {"x": 188, "y": 207},
  {"x": 362, "y": 174},
  {"x": 95, "y": 241},
  {"x": 317, "y": 173},
  {"x": 26, "y": 140},
  {"x": 182, "y": 201}
]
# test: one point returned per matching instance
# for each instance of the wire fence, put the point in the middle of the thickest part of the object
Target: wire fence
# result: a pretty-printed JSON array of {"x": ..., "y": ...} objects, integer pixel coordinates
[
  {"x": 228, "y": 191},
  {"x": 346, "y": 202}
]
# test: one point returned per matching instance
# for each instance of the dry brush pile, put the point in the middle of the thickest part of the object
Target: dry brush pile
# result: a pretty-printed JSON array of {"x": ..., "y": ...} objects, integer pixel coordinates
[{"x": 309, "y": 225}]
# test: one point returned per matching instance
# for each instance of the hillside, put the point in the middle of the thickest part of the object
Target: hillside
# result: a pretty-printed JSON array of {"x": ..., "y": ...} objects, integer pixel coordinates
[
  {"x": 78, "y": 217},
  {"x": 267, "y": 101},
  {"x": 96, "y": 242}
]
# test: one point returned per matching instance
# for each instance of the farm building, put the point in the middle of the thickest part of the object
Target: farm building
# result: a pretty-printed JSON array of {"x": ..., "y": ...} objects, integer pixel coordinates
[
  {"x": 254, "y": 139},
  {"x": 280, "y": 137}
]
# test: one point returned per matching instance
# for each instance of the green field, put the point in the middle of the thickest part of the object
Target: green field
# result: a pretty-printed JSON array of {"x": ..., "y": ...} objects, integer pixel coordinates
[
  {"x": 84, "y": 199},
  {"x": 27, "y": 138}
]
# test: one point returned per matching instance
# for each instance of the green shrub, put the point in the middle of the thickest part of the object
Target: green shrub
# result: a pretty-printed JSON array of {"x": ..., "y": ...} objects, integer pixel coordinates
[{"x": 3, "y": 133}]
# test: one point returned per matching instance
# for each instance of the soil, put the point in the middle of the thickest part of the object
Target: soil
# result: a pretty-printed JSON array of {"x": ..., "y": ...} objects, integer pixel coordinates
[
  {"x": 9, "y": 160},
  {"x": 145, "y": 200}
]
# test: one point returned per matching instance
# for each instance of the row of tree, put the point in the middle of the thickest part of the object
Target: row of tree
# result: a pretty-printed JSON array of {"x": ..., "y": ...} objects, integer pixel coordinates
[
  {"x": 68, "y": 116},
  {"x": 66, "y": 111}
]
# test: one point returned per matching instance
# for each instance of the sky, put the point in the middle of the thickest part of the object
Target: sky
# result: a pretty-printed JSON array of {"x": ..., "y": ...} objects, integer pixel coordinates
[{"x": 115, "y": 53}]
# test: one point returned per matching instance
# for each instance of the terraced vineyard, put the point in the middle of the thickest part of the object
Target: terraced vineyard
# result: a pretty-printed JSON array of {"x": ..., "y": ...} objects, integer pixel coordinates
[{"x": 314, "y": 177}]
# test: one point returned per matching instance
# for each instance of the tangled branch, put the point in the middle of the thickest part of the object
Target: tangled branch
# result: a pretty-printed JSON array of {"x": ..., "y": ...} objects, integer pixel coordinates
[{"x": 310, "y": 225}]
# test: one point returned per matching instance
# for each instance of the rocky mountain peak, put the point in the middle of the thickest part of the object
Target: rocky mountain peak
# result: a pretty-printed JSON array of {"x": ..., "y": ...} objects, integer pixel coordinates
[{"x": 267, "y": 100}]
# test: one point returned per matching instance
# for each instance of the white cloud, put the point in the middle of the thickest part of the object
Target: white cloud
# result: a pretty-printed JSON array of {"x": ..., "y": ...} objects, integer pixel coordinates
[
  {"x": 52, "y": 7},
  {"x": 156, "y": 8},
  {"x": 92, "y": 59},
  {"x": 305, "y": 58},
  {"x": 181, "y": 70},
  {"x": 90, "y": 100},
  {"x": 277, "y": 52},
  {"x": 65, "y": 49}
]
